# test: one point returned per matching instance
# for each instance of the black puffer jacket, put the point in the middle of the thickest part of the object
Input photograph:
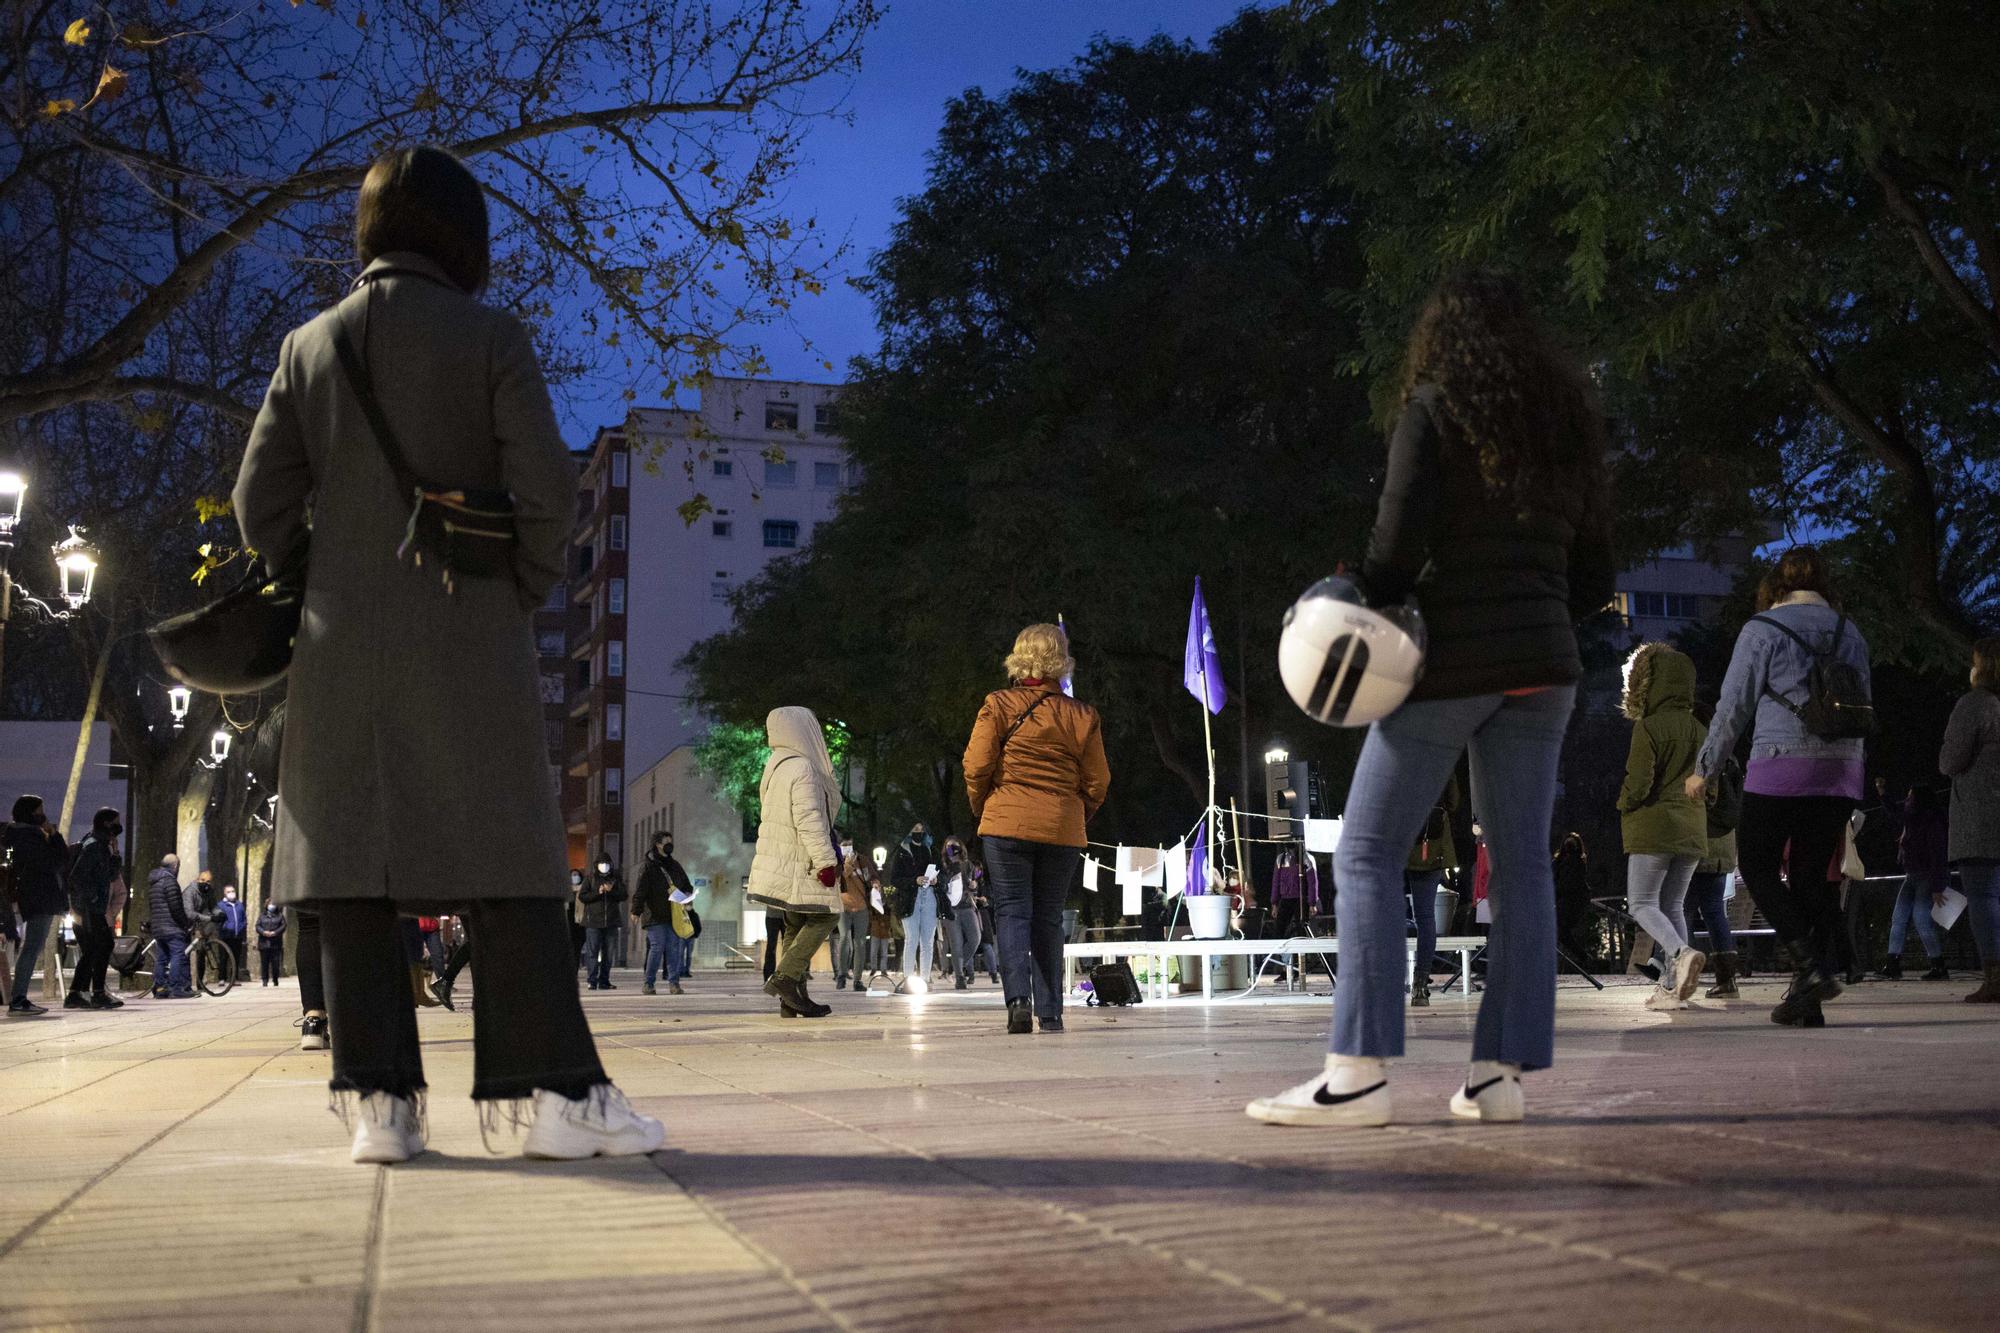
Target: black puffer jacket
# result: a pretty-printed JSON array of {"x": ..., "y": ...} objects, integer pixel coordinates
[
  {"x": 40, "y": 857},
  {"x": 166, "y": 905},
  {"x": 1500, "y": 591}
]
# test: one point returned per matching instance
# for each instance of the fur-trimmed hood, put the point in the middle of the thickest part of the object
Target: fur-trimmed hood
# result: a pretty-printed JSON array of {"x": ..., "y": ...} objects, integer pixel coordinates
[{"x": 1658, "y": 676}]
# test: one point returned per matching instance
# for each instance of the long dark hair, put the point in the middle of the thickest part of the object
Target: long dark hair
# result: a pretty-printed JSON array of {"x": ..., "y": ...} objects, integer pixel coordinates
[
  {"x": 1510, "y": 398},
  {"x": 1800, "y": 569}
]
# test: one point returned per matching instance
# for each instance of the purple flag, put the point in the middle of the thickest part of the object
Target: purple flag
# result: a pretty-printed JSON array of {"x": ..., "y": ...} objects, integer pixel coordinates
[
  {"x": 1198, "y": 861},
  {"x": 1201, "y": 670},
  {"x": 1067, "y": 687}
]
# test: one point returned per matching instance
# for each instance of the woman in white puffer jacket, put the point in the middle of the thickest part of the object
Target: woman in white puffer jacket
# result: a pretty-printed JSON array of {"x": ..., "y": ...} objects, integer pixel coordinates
[{"x": 797, "y": 867}]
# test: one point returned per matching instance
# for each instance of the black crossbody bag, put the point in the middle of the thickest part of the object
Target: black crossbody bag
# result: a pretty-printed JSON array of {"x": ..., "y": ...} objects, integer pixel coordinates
[{"x": 460, "y": 533}]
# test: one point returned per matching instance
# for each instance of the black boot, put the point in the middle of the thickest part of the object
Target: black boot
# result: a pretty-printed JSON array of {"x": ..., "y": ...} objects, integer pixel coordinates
[
  {"x": 1812, "y": 985},
  {"x": 1938, "y": 972},
  {"x": 1892, "y": 970},
  {"x": 1725, "y": 977},
  {"x": 1020, "y": 1017}
]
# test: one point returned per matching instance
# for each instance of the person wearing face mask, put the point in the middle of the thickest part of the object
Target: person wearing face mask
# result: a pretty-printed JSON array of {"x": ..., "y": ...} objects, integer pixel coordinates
[
  {"x": 600, "y": 899},
  {"x": 962, "y": 929},
  {"x": 914, "y": 876},
  {"x": 850, "y": 948},
  {"x": 90, "y": 902},
  {"x": 663, "y": 885},
  {"x": 270, "y": 943},
  {"x": 232, "y": 925},
  {"x": 167, "y": 916},
  {"x": 38, "y": 854}
]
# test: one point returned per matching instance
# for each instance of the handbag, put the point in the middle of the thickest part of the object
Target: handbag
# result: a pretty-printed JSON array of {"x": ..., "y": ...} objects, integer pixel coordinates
[
  {"x": 242, "y": 642},
  {"x": 464, "y": 532}
]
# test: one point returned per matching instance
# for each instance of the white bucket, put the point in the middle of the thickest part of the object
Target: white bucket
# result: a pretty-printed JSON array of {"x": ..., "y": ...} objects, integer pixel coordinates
[{"x": 1208, "y": 914}]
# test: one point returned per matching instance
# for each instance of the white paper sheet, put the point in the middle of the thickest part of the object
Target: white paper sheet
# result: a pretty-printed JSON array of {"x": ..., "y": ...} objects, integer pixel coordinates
[
  {"x": 1093, "y": 873},
  {"x": 1177, "y": 870},
  {"x": 1323, "y": 836},
  {"x": 1947, "y": 912}
]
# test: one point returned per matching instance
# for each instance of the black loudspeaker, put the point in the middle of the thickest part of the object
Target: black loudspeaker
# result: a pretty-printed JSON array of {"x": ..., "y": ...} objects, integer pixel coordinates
[{"x": 1113, "y": 984}]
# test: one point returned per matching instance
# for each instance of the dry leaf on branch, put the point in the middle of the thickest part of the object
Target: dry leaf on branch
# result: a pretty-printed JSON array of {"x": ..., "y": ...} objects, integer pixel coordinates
[{"x": 77, "y": 33}]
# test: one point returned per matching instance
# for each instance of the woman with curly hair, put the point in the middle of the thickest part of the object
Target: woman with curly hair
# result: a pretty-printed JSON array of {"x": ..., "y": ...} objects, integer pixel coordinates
[
  {"x": 1665, "y": 832},
  {"x": 1034, "y": 774},
  {"x": 1494, "y": 516}
]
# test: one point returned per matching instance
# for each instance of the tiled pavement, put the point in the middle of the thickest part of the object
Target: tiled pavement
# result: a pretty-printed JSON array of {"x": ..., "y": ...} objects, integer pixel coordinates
[{"x": 909, "y": 1166}]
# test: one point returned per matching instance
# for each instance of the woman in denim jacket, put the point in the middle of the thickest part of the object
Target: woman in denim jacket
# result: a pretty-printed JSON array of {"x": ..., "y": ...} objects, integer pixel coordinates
[{"x": 1798, "y": 788}]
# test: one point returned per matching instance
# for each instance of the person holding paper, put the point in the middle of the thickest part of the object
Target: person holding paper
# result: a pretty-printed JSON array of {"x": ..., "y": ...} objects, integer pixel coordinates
[
  {"x": 915, "y": 876},
  {"x": 1970, "y": 757},
  {"x": 1922, "y": 849}
]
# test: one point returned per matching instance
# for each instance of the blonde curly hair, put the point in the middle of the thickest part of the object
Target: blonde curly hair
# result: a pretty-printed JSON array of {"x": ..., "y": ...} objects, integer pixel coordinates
[{"x": 1041, "y": 652}]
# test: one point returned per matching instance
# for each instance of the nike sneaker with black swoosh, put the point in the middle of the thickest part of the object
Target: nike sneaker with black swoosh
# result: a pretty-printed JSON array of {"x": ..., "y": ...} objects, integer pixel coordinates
[
  {"x": 1347, "y": 1092},
  {"x": 1492, "y": 1092}
]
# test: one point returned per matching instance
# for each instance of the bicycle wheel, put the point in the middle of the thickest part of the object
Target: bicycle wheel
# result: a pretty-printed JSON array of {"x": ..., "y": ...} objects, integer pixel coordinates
[{"x": 217, "y": 968}]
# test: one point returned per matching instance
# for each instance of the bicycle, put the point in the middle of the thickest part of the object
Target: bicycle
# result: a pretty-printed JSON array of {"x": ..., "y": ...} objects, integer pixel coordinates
[{"x": 211, "y": 962}]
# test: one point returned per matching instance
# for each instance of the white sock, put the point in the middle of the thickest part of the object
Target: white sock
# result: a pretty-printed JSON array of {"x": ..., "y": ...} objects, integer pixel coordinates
[
  {"x": 1482, "y": 1070},
  {"x": 1351, "y": 1073}
]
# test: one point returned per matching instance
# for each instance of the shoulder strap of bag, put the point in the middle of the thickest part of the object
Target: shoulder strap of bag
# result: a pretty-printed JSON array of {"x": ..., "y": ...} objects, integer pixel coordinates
[
  {"x": 1026, "y": 713},
  {"x": 1812, "y": 652},
  {"x": 355, "y": 367}
]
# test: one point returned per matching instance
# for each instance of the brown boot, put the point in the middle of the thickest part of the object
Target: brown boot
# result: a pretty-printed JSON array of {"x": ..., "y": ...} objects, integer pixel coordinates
[
  {"x": 1725, "y": 978},
  {"x": 420, "y": 988},
  {"x": 1989, "y": 990}
]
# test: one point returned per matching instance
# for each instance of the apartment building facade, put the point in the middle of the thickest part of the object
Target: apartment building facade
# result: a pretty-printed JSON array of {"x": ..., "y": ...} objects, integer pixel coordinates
[{"x": 649, "y": 583}]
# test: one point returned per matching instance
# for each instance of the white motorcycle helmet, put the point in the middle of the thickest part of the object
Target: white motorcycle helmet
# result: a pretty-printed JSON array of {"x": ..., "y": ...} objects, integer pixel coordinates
[{"x": 1344, "y": 663}]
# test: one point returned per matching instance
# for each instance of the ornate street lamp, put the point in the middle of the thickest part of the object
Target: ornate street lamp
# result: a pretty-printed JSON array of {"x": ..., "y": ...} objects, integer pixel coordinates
[
  {"x": 218, "y": 749},
  {"x": 178, "y": 699},
  {"x": 13, "y": 493},
  {"x": 76, "y": 562}
]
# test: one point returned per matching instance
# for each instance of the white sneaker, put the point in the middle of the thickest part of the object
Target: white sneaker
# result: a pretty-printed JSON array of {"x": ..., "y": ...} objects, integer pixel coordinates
[
  {"x": 1688, "y": 964},
  {"x": 387, "y": 1129},
  {"x": 1350, "y": 1091},
  {"x": 601, "y": 1125},
  {"x": 1661, "y": 998},
  {"x": 1492, "y": 1091}
]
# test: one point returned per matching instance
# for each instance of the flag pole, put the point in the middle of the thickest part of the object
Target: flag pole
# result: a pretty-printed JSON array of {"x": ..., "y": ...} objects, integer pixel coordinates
[{"x": 1208, "y": 745}]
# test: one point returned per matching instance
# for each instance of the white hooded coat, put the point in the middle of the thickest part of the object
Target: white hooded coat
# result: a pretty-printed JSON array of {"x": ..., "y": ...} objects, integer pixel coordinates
[{"x": 799, "y": 798}]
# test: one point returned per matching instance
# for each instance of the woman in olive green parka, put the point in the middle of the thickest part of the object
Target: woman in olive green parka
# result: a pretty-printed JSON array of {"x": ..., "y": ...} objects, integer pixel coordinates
[{"x": 1665, "y": 832}]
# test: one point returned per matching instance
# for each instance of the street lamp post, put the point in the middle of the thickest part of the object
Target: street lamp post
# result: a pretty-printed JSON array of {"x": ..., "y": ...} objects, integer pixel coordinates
[{"x": 13, "y": 491}]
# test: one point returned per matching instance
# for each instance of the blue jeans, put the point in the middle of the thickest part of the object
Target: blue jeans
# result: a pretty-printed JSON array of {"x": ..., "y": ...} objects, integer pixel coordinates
[
  {"x": 656, "y": 952},
  {"x": 1706, "y": 903},
  {"x": 920, "y": 934},
  {"x": 173, "y": 951},
  {"x": 1422, "y": 886},
  {"x": 1515, "y": 744},
  {"x": 679, "y": 953},
  {"x": 1913, "y": 905},
  {"x": 1028, "y": 882},
  {"x": 34, "y": 938},
  {"x": 1982, "y": 893},
  {"x": 1655, "y": 887},
  {"x": 597, "y": 954}
]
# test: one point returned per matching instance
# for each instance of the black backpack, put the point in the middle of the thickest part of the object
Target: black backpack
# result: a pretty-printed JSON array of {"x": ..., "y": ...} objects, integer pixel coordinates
[
  {"x": 1113, "y": 984},
  {"x": 1837, "y": 706}
]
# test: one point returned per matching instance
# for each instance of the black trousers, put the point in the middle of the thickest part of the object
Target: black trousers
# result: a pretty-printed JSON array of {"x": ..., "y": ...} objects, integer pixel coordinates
[
  {"x": 774, "y": 940},
  {"x": 269, "y": 957},
  {"x": 460, "y": 956},
  {"x": 93, "y": 953},
  {"x": 1798, "y": 835},
  {"x": 528, "y": 1032},
  {"x": 312, "y": 974}
]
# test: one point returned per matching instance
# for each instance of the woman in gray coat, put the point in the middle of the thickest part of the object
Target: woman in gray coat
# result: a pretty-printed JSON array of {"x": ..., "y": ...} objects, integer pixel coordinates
[{"x": 415, "y": 707}]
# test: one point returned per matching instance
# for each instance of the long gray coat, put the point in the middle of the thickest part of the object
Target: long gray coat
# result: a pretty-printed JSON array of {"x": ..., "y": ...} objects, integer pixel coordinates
[
  {"x": 413, "y": 764},
  {"x": 1970, "y": 757}
]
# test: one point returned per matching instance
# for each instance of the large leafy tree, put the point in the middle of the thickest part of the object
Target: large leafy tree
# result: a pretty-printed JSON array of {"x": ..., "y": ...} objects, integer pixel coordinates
[
  {"x": 1778, "y": 224},
  {"x": 1110, "y": 361}
]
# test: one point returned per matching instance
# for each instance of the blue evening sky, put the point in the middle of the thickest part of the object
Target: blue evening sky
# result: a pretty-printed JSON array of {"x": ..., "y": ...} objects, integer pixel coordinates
[{"x": 923, "y": 53}]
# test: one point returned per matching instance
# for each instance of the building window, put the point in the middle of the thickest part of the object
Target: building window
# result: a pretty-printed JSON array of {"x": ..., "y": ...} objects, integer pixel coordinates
[
  {"x": 614, "y": 791},
  {"x": 617, "y": 597},
  {"x": 826, "y": 418},
  {"x": 718, "y": 589},
  {"x": 721, "y": 527},
  {"x": 723, "y": 468},
  {"x": 1661, "y": 605},
  {"x": 618, "y": 466},
  {"x": 583, "y": 674},
  {"x": 614, "y": 722},
  {"x": 781, "y": 533},
  {"x": 615, "y": 659},
  {"x": 826, "y": 474},
  {"x": 551, "y": 642},
  {"x": 611, "y": 839},
  {"x": 780, "y": 474},
  {"x": 854, "y": 474},
  {"x": 618, "y": 532},
  {"x": 558, "y": 598},
  {"x": 781, "y": 416},
  {"x": 555, "y": 689}
]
